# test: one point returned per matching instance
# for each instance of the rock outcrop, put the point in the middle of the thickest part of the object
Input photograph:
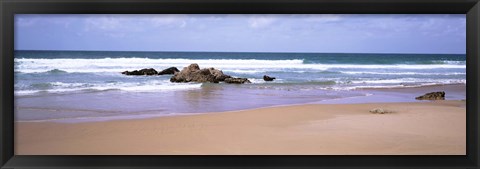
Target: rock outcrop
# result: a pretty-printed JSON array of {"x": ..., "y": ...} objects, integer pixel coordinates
[
  {"x": 380, "y": 111},
  {"x": 268, "y": 78},
  {"x": 237, "y": 80},
  {"x": 169, "y": 71},
  {"x": 218, "y": 74},
  {"x": 432, "y": 96},
  {"x": 149, "y": 71},
  {"x": 193, "y": 73}
]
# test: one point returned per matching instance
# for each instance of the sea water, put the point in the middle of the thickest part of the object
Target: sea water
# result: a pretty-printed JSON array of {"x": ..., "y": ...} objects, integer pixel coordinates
[{"x": 52, "y": 85}]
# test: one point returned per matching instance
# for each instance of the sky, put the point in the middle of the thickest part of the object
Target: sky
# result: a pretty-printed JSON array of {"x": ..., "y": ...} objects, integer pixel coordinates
[{"x": 318, "y": 33}]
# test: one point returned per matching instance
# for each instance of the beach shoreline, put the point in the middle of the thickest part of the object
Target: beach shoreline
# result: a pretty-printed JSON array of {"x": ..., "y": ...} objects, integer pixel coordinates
[
  {"x": 423, "y": 128},
  {"x": 99, "y": 106}
]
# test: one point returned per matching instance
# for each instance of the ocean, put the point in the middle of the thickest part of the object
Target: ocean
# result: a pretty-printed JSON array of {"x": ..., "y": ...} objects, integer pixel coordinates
[{"x": 59, "y": 85}]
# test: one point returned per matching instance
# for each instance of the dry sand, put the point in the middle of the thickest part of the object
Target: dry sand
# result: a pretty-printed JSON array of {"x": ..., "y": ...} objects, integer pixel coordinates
[{"x": 436, "y": 128}]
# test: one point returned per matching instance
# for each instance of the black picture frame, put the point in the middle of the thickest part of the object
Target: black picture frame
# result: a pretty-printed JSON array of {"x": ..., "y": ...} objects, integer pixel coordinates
[{"x": 9, "y": 8}]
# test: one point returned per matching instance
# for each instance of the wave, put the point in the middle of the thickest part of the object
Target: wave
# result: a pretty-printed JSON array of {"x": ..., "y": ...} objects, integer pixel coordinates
[
  {"x": 243, "y": 71},
  {"x": 152, "y": 86},
  {"x": 58, "y": 84},
  {"x": 342, "y": 82},
  {"x": 283, "y": 82},
  {"x": 437, "y": 62},
  {"x": 347, "y": 88},
  {"x": 28, "y": 65},
  {"x": 409, "y": 81},
  {"x": 165, "y": 85},
  {"x": 56, "y": 71},
  {"x": 451, "y": 62},
  {"x": 400, "y": 73}
]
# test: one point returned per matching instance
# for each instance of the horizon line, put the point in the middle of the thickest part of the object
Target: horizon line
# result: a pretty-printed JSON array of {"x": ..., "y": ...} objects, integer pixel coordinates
[{"x": 234, "y": 52}]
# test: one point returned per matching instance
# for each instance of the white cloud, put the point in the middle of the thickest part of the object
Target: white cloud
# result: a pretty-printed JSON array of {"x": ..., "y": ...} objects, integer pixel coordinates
[
  {"x": 102, "y": 23},
  {"x": 261, "y": 21},
  {"x": 171, "y": 20},
  {"x": 24, "y": 22},
  {"x": 120, "y": 26},
  {"x": 133, "y": 23},
  {"x": 184, "y": 23},
  {"x": 323, "y": 18}
]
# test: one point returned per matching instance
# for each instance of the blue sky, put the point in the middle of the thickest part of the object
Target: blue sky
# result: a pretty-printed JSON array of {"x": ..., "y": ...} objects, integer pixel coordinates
[{"x": 244, "y": 33}]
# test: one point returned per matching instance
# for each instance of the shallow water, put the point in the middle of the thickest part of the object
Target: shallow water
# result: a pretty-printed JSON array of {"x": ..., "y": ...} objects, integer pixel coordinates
[{"x": 209, "y": 98}]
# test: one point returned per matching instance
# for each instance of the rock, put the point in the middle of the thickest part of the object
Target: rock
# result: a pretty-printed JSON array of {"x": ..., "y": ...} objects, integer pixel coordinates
[
  {"x": 193, "y": 73},
  {"x": 380, "y": 111},
  {"x": 432, "y": 96},
  {"x": 268, "y": 78},
  {"x": 219, "y": 76},
  {"x": 169, "y": 71},
  {"x": 149, "y": 71},
  {"x": 237, "y": 80}
]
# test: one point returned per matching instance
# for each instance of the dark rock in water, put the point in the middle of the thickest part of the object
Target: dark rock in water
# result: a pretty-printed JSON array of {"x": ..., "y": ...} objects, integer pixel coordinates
[
  {"x": 169, "y": 71},
  {"x": 432, "y": 96},
  {"x": 237, "y": 80},
  {"x": 219, "y": 76},
  {"x": 268, "y": 78},
  {"x": 193, "y": 73},
  {"x": 149, "y": 71}
]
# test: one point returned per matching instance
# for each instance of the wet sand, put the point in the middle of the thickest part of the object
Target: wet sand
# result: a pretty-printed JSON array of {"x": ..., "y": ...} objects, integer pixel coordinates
[{"x": 423, "y": 128}]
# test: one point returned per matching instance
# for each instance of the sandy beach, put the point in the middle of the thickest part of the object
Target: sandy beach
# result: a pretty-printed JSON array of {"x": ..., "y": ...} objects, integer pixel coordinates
[
  {"x": 246, "y": 84},
  {"x": 423, "y": 128}
]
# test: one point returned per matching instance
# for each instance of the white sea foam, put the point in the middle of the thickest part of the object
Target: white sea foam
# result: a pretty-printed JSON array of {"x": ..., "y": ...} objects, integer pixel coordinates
[
  {"x": 400, "y": 73},
  {"x": 450, "y": 62},
  {"x": 252, "y": 67},
  {"x": 344, "y": 88},
  {"x": 261, "y": 81},
  {"x": 410, "y": 80},
  {"x": 27, "y": 65},
  {"x": 151, "y": 86},
  {"x": 244, "y": 71},
  {"x": 165, "y": 86}
]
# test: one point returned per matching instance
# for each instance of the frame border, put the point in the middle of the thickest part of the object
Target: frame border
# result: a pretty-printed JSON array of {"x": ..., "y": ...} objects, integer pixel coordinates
[{"x": 8, "y": 8}]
